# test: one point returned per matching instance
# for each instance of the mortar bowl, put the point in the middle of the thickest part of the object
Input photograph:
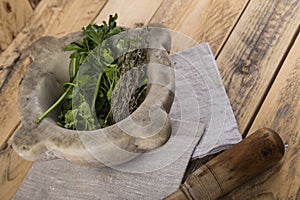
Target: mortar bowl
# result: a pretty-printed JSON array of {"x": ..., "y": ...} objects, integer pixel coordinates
[{"x": 147, "y": 128}]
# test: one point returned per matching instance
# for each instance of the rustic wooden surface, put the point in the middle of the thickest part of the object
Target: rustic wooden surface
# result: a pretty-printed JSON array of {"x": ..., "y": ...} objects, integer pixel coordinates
[
  {"x": 204, "y": 21},
  {"x": 281, "y": 111},
  {"x": 34, "y": 3},
  {"x": 252, "y": 41},
  {"x": 13, "y": 16},
  {"x": 254, "y": 52},
  {"x": 136, "y": 12}
]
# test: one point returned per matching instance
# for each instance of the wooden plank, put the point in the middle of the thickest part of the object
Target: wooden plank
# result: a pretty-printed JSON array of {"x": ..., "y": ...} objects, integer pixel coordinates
[
  {"x": 281, "y": 112},
  {"x": 253, "y": 53},
  {"x": 130, "y": 12},
  {"x": 79, "y": 14},
  {"x": 12, "y": 170},
  {"x": 9, "y": 116},
  {"x": 204, "y": 21},
  {"x": 50, "y": 18},
  {"x": 43, "y": 22},
  {"x": 34, "y": 3},
  {"x": 13, "y": 16}
]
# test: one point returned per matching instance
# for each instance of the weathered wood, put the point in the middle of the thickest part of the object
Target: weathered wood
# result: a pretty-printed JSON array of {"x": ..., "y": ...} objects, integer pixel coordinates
[
  {"x": 130, "y": 12},
  {"x": 9, "y": 110},
  {"x": 204, "y": 21},
  {"x": 13, "y": 16},
  {"x": 43, "y": 22},
  {"x": 50, "y": 18},
  {"x": 12, "y": 170},
  {"x": 34, "y": 3},
  {"x": 197, "y": 163},
  {"x": 253, "y": 53},
  {"x": 78, "y": 14},
  {"x": 281, "y": 112},
  {"x": 233, "y": 167}
]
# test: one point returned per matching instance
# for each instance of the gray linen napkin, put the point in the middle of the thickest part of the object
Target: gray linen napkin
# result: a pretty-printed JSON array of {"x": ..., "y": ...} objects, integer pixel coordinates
[
  {"x": 201, "y": 109},
  {"x": 198, "y": 78}
]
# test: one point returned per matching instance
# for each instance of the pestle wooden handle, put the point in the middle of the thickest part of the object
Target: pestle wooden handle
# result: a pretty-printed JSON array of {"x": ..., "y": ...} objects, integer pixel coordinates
[{"x": 233, "y": 167}]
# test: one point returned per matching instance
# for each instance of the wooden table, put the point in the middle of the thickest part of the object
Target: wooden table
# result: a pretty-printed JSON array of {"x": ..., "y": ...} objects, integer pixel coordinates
[{"x": 256, "y": 44}]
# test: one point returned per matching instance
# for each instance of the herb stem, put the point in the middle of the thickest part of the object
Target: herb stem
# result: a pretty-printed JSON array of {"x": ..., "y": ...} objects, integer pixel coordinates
[
  {"x": 96, "y": 92},
  {"x": 74, "y": 68},
  {"x": 108, "y": 115},
  {"x": 54, "y": 105},
  {"x": 97, "y": 85}
]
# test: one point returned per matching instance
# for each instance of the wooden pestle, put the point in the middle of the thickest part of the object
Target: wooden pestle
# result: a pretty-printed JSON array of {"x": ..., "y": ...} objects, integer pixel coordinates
[{"x": 233, "y": 167}]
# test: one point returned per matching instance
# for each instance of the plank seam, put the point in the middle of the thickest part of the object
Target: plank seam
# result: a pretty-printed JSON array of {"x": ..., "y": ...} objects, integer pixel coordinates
[
  {"x": 33, "y": 4},
  {"x": 98, "y": 13},
  {"x": 273, "y": 78},
  {"x": 155, "y": 12},
  {"x": 11, "y": 133},
  {"x": 10, "y": 68},
  {"x": 231, "y": 30}
]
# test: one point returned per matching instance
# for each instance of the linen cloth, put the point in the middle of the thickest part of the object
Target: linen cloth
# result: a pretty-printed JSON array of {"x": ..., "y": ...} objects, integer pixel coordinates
[{"x": 198, "y": 77}]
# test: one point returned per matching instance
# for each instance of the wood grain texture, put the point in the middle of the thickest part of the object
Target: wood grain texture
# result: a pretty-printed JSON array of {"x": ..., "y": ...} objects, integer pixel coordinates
[
  {"x": 34, "y": 3},
  {"x": 281, "y": 112},
  {"x": 77, "y": 15},
  {"x": 204, "y": 21},
  {"x": 13, "y": 16},
  {"x": 12, "y": 170},
  {"x": 44, "y": 22},
  {"x": 9, "y": 116},
  {"x": 54, "y": 18},
  {"x": 253, "y": 53},
  {"x": 130, "y": 12}
]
